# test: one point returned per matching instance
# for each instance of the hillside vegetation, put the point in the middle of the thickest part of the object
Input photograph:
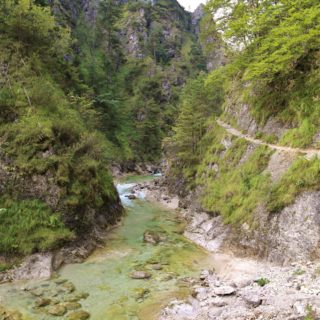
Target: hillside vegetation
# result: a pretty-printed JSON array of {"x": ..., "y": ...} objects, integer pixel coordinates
[
  {"x": 53, "y": 164},
  {"x": 90, "y": 84},
  {"x": 271, "y": 77},
  {"x": 84, "y": 85}
]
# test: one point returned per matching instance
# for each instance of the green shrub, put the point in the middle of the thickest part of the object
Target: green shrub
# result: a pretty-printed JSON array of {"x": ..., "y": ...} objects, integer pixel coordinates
[
  {"x": 262, "y": 282},
  {"x": 235, "y": 190},
  {"x": 299, "y": 272},
  {"x": 5, "y": 266},
  {"x": 301, "y": 137},
  {"x": 29, "y": 226},
  {"x": 303, "y": 175}
]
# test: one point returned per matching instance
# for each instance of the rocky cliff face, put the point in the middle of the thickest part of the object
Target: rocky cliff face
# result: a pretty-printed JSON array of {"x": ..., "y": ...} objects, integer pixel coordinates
[
  {"x": 72, "y": 10},
  {"x": 283, "y": 235}
]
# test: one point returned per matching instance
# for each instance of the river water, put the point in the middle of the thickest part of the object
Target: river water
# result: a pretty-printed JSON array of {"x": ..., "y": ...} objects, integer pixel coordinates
[{"x": 105, "y": 276}]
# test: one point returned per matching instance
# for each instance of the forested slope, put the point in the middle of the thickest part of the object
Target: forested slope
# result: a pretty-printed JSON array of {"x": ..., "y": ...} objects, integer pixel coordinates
[
  {"x": 269, "y": 88},
  {"x": 84, "y": 85},
  {"x": 55, "y": 185}
]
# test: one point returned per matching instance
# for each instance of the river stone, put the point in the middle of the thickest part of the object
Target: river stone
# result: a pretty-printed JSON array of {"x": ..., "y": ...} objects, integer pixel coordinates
[
  {"x": 9, "y": 315},
  {"x": 69, "y": 286},
  {"x": 252, "y": 298},
  {"x": 72, "y": 305},
  {"x": 167, "y": 277},
  {"x": 151, "y": 237},
  {"x": 60, "y": 281},
  {"x": 157, "y": 266},
  {"x": 82, "y": 295},
  {"x": 224, "y": 291},
  {"x": 140, "y": 275},
  {"x": 37, "y": 292},
  {"x": 42, "y": 302},
  {"x": 141, "y": 293},
  {"x": 57, "y": 310},
  {"x": 79, "y": 315}
]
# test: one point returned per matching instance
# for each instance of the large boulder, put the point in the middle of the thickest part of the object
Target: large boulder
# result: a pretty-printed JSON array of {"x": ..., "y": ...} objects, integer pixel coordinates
[
  {"x": 57, "y": 310},
  {"x": 35, "y": 267}
]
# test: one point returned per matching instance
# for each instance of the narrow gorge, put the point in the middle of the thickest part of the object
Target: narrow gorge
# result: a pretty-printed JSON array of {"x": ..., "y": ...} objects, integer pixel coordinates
[{"x": 157, "y": 163}]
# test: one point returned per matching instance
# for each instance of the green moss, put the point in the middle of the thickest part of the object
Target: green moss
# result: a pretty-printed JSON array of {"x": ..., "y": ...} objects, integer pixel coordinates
[{"x": 303, "y": 175}]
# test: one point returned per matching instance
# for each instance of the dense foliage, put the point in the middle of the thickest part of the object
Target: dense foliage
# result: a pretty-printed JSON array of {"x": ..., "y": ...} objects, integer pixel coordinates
[
  {"x": 137, "y": 76},
  {"x": 83, "y": 87},
  {"x": 273, "y": 69},
  {"x": 53, "y": 163}
]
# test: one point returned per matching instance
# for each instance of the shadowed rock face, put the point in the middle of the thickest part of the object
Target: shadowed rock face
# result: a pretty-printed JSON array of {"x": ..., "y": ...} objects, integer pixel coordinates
[
  {"x": 73, "y": 9},
  {"x": 196, "y": 18}
]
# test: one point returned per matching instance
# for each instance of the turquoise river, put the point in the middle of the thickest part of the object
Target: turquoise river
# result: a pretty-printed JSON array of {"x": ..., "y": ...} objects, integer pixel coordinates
[{"x": 103, "y": 281}]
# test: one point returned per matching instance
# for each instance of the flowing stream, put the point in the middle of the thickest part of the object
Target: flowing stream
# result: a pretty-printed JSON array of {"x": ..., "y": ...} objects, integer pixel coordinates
[{"x": 105, "y": 276}]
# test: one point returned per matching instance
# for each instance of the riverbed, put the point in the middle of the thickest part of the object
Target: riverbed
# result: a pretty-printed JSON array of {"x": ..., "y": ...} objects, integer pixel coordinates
[{"x": 104, "y": 280}]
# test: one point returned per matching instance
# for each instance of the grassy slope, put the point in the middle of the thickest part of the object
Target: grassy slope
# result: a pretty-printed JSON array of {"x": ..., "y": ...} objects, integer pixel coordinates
[{"x": 43, "y": 134}]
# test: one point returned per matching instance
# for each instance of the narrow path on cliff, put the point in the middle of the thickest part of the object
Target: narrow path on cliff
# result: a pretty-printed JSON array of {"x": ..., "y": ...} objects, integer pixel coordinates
[{"x": 308, "y": 152}]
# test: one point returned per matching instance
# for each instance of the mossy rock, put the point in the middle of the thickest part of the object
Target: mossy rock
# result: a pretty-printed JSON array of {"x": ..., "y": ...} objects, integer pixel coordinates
[
  {"x": 69, "y": 287},
  {"x": 79, "y": 315},
  {"x": 9, "y": 315},
  {"x": 141, "y": 293},
  {"x": 57, "y": 311},
  {"x": 72, "y": 305},
  {"x": 42, "y": 302}
]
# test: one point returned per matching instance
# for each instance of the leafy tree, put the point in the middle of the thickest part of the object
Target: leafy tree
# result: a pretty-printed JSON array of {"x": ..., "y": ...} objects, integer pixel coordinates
[
  {"x": 199, "y": 102},
  {"x": 109, "y": 15},
  {"x": 272, "y": 37}
]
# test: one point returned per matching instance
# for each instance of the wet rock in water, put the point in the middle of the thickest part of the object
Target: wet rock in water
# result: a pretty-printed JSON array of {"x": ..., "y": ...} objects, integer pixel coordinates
[
  {"x": 15, "y": 315},
  {"x": 57, "y": 310},
  {"x": 167, "y": 277},
  {"x": 45, "y": 285},
  {"x": 60, "y": 281},
  {"x": 42, "y": 302},
  {"x": 140, "y": 275},
  {"x": 37, "y": 292},
  {"x": 157, "y": 267},
  {"x": 79, "y": 315},
  {"x": 72, "y": 305},
  {"x": 9, "y": 315},
  {"x": 69, "y": 287},
  {"x": 55, "y": 301},
  {"x": 79, "y": 296},
  {"x": 141, "y": 293},
  {"x": 152, "y": 237},
  {"x": 131, "y": 196},
  {"x": 224, "y": 291}
]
